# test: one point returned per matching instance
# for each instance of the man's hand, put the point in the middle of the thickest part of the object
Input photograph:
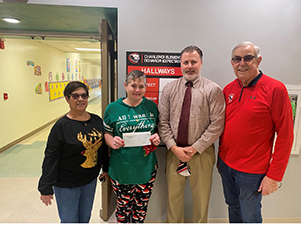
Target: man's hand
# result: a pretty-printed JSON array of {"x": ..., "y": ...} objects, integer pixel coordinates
[
  {"x": 181, "y": 153},
  {"x": 190, "y": 151},
  {"x": 268, "y": 186},
  {"x": 46, "y": 199}
]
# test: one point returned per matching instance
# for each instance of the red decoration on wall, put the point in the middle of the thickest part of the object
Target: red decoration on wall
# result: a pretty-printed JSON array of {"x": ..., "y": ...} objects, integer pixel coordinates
[{"x": 1, "y": 43}]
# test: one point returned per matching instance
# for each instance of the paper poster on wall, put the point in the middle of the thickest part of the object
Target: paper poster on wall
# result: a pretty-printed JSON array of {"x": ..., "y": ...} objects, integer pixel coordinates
[
  {"x": 2, "y": 46},
  {"x": 50, "y": 76},
  {"x": 46, "y": 86},
  {"x": 67, "y": 65},
  {"x": 30, "y": 63},
  {"x": 76, "y": 66},
  {"x": 37, "y": 70},
  {"x": 159, "y": 68},
  {"x": 38, "y": 89}
]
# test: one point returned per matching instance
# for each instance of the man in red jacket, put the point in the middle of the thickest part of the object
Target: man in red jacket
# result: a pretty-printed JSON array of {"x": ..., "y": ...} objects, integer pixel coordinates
[{"x": 257, "y": 108}]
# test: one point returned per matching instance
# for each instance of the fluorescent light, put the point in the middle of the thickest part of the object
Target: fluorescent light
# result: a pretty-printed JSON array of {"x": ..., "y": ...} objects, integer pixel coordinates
[
  {"x": 10, "y": 20},
  {"x": 88, "y": 49}
]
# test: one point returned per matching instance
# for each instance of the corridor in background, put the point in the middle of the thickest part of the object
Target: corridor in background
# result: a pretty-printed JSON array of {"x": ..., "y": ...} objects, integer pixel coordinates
[{"x": 20, "y": 169}]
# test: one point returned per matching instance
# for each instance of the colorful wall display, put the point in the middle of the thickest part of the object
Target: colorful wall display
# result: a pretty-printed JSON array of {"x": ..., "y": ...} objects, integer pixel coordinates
[
  {"x": 67, "y": 65},
  {"x": 2, "y": 43},
  {"x": 159, "y": 68},
  {"x": 38, "y": 89},
  {"x": 56, "y": 90},
  {"x": 30, "y": 63},
  {"x": 50, "y": 76},
  {"x": 37, "y": 70},
  {"x": 93, "y": 83},
  {"x": 57, "y": 77},
  {"x": 76, "y": 66},
  {"x": 46, "y": 86}
]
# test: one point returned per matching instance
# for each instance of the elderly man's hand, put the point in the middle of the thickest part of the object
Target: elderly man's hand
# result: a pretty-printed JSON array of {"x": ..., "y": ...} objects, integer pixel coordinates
[{"x": 268, "y": 186}]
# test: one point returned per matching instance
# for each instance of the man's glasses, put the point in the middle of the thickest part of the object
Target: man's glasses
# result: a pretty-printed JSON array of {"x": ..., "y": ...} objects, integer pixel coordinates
[
  {"x": 76, "y": 96},
  {"x": 247, "y": 58}
]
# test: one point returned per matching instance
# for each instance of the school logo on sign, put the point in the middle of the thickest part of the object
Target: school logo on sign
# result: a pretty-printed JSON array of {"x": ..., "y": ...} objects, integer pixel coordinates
[{"x": 134, "y": 58}]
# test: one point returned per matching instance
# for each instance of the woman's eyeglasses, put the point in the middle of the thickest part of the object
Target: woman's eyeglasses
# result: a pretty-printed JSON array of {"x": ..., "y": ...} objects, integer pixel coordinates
[
  {"x": 247, "y": 58},
  {"x": 76, "y": 96}
]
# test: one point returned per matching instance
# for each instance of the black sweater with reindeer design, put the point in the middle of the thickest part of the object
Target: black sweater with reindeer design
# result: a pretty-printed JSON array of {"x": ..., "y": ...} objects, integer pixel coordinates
[{"x": 75, "y": 153}]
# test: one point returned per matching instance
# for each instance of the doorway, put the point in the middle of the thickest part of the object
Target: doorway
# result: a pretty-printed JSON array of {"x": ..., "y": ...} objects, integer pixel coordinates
[{"x": 57, "y": 30}]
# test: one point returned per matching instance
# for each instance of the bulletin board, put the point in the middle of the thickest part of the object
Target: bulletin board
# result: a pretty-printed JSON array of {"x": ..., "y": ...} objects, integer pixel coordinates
[
  {"x": 93, "y": 83},
  {"x": 159, "y": 68},
  {"x": 56, "y": 90}
]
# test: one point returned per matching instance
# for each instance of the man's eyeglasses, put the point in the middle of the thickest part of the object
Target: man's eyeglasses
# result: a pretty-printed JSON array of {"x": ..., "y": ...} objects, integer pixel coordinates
[
  {"x": 76, "y": 96},
  {"x": 247, "y": 58}
]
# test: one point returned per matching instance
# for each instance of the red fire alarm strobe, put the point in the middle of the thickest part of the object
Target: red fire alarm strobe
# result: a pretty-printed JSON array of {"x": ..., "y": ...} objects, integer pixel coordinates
[
  {"x": 5, "y": 96},
  {"x": 1, "y": 43}
]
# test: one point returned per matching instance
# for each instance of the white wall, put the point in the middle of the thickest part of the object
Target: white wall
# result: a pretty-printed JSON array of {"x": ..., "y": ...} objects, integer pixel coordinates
[
  {"x": 25, "y": 111},
  {"x": 215, "y": 26}
]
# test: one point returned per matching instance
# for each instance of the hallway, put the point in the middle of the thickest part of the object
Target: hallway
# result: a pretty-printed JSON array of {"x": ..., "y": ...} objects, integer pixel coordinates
[{"x": 20, "y": 169}]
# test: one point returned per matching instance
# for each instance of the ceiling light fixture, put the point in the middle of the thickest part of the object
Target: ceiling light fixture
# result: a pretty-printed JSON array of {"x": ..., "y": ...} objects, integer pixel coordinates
[
  {"x": 10, "y": 20},
  {"x": 88, "y": 49}
]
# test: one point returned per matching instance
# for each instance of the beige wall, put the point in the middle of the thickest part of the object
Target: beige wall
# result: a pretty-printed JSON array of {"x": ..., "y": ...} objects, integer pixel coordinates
[{"x": 25, "y": 111}]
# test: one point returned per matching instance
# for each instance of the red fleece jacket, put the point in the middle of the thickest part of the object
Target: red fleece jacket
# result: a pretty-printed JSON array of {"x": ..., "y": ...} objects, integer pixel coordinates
[{"x": 253, "y": 115}]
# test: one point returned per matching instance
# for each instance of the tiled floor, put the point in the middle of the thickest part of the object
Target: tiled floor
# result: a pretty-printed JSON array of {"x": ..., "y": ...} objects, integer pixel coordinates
[{"x": 20, "y": 169}]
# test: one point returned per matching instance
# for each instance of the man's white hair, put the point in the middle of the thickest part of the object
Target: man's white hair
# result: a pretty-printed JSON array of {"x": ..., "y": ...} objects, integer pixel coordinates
[{"x": 244, "y": 43}]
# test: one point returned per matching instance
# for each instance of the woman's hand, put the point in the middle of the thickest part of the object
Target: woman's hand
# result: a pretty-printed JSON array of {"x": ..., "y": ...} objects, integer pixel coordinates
[
  {"x": 113, "y": 142},
  {"x": 117, "y": 142},
  {"x": 155, "y": 139},
  {"x": 103, "y": 177},
  {"x": 46, "y": 199}
]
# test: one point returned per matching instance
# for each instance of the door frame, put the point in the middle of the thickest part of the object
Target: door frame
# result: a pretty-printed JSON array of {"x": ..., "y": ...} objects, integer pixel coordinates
[{"x": 109, "y": 94}]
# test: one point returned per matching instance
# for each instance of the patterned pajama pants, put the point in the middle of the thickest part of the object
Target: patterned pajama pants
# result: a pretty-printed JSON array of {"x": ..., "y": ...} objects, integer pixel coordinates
[{"x": 132, "y": 200}]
